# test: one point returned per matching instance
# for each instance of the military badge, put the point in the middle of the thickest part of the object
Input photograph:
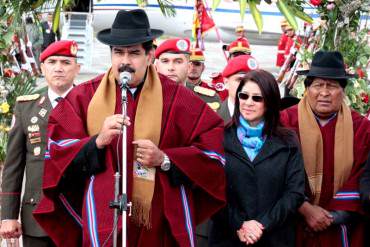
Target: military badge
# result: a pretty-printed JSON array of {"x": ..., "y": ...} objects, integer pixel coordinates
[
  {"x": 33, "y": 128},
  {"x": 34, "y": 119},
  {"x": 182, "y": 45},
  {"x": 74, "y": 49},
  {"x": 43, "y": 112},
  {"x": 37, "y": 151},
  {"x": 252, "y": 63},
  {"x": 219, "y": 86},
  {"x": 35, "y": 140},
  {"x": 34, "y": 134}
]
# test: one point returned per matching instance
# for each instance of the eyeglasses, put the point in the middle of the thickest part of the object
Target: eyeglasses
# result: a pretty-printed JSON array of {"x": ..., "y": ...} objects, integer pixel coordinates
[{"x": 245, "y": 96}]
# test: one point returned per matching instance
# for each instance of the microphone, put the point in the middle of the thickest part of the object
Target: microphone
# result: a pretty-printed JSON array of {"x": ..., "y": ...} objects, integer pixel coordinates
[{"x": 124, "y": 78}]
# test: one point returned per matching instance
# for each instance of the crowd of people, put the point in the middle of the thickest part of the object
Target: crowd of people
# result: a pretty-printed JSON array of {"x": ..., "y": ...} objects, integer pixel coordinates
[{"x": 224, "y": 163}]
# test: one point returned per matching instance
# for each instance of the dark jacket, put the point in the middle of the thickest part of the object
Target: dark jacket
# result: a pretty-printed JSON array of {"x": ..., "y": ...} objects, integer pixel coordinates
[
  {"x": 224, "y": 112},
  {"x": 268, "y": 189}
]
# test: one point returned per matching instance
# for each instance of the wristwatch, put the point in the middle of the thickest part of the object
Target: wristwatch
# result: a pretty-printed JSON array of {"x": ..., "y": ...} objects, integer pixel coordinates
[{"x": 166, "y": 164}]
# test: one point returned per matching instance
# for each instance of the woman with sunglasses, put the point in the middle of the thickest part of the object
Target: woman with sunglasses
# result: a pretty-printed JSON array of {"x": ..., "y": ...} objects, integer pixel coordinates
[{"x": 264, "y": 170}]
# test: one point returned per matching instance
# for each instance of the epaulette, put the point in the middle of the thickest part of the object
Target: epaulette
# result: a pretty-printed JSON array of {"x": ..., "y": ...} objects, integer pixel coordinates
[
  {"x": 214, "y": 105},
  {"x": 204, "y": 91},
  {"x": 23, "y": 98}
]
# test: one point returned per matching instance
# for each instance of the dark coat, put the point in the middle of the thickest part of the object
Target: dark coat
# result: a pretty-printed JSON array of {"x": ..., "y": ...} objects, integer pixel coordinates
[
  {"x": 224, "y": 112},
  {"x": 48, "y": 35},
  {"x": 26, "y": 148},
  {"x": 268, "y": 189}
]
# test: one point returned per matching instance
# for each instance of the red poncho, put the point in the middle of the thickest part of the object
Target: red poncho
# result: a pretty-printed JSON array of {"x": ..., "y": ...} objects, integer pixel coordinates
[
  {"x": 191, "y": 136},
  {"x": 347, "y": 198}
]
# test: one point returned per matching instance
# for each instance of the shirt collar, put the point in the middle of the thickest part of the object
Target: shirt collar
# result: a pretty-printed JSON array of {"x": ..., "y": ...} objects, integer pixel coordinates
[{"x": 53, "y": 95}]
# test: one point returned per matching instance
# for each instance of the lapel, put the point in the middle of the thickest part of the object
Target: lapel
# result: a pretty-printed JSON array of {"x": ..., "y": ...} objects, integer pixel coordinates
[
  {"x": 44, "y": 107},
  {"x": 233, "y": 146}
]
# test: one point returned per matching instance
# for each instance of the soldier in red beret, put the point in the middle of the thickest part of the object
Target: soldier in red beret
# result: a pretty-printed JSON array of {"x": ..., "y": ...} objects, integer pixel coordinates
[
  {"x": 27, "y": 144},
  {"x": 173, "y": 59},
  {"x": 233, "y": 73}
]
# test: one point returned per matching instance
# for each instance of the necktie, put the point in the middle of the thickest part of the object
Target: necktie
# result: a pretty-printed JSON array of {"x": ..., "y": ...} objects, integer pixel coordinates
[{"x": 58, "y": 99}]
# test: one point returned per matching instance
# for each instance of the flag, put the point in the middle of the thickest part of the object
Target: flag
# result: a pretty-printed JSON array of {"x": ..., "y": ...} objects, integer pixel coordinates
[{"x": 202, "y": 22}]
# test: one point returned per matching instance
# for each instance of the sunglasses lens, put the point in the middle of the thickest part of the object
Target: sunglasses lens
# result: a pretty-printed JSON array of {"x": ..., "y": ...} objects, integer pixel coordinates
[
  {"x": 243, "y": 96},
  {"x": 257, "y": 98}
]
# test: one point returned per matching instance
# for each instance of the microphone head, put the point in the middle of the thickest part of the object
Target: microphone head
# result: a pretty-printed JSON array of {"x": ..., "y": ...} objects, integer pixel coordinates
[{"x": 125, "y": 77}]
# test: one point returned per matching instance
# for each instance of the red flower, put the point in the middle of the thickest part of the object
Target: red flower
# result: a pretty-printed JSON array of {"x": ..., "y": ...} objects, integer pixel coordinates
[
  {"x": 360, "y": 73},
  {"x": 365, "y": 98},
  {"x": 8, "y": 72},
  {"x": 315, "y": 2}
]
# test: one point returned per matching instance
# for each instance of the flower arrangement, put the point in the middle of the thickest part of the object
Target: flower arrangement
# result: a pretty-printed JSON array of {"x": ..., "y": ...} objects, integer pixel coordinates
[
  {"x": 13, "y": 80},
  {"x": 339, "y": 29}
]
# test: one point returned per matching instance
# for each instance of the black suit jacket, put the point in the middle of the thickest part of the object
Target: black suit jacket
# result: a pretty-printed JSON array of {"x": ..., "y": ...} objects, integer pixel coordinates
[{"x": 48, "y": 35}]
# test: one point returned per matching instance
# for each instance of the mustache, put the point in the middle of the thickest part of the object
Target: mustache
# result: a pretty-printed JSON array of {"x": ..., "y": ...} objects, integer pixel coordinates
[{"x": 126, "y": 67}]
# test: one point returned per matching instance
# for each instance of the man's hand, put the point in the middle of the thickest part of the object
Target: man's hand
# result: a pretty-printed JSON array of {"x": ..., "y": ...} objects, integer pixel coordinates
[
  {"x": 317, "y": 218},
  {"x": 10, "y": 229},
  {"x": 112, "y": 127},
  {"x": 148, "y": 154},
  {"x": 250, "y": 232}
]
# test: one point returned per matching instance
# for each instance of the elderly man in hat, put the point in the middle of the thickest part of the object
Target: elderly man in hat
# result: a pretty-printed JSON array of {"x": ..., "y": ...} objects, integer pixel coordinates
[
  {"x": 335, "y": 142},
  {"x": 27, "y": 144},
  {"x": 233, "y": 73},
  {"x": 173, "y": 59},
  {"x": 194, "y": 81},
  {"x": 175, "y": 177}
]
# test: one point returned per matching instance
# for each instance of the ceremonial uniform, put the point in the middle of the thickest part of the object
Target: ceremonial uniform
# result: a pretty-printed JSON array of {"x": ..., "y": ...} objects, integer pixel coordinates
[
  {"x": 27, "y": 144},
  {"x": 195, "y": 84},
  {"x": 207, "y": 94},
  {"x": 25, "y": 153},
  {"x": 280, "y": 58}
]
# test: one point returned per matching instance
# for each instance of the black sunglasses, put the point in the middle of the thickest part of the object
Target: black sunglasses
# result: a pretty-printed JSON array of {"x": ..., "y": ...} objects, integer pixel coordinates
[{"x": 245, "y": 96}]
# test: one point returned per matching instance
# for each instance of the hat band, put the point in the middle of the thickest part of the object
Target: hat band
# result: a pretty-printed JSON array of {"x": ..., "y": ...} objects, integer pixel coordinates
[
  {"x": 335, "y": 72},
  {"x": 128, "y": 33}
]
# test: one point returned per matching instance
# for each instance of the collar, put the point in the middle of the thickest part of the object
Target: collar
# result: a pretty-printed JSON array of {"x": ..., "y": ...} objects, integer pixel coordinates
[
  {"x": 231, "y": 106},
  {"x": 323, "y": 122},
  {"x": 53, "y": 95}
]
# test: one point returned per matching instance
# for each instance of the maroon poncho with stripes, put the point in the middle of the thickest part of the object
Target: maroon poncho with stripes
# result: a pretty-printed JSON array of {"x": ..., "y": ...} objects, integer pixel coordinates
[
  {"x": 347, "y": 198},
  {"x": 191, "y": 135}
]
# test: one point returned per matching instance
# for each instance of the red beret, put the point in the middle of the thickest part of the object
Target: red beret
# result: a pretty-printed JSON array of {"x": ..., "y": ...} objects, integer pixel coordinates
[
  {"x": 239, "y": 45},
  {"x": 197, "y": 55},
  {"x": 67, "y": 48},
  {"x": 173, "y": 46},
  {"x": 243, "y": 63}
]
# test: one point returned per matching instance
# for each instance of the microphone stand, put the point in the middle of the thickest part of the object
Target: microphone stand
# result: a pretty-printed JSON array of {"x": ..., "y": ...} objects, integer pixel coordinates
[{"x": 120, "y": 204}]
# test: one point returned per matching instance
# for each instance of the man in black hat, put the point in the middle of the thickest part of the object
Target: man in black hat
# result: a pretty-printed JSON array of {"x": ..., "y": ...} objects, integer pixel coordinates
[
  {"x": 335, "y": 142},
  {"x": 175, "y": 177}
]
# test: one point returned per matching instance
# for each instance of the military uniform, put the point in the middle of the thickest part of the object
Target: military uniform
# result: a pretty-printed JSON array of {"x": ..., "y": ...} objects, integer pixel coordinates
[
  {"x": 25, "y": 153},
  {"x": 207, "y": 94}
]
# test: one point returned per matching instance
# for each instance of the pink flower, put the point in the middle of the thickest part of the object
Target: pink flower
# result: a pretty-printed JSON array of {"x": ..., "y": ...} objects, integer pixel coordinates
[{"x": 330, "y": 6}]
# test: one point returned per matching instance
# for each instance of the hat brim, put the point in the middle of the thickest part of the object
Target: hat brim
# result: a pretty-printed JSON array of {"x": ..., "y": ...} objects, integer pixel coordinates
[
  {"x": 309, "y": 73},
  {"x": 105, "y": 37}
]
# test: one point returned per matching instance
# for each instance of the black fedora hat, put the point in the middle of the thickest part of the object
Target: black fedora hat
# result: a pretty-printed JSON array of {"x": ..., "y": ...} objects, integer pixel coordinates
[
  {"x": 327, "y": 64},
  {"x": 129, "y": 28}
]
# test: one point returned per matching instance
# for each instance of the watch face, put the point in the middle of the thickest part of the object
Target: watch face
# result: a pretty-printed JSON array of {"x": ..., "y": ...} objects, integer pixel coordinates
[{"x": 166, "y": 166}]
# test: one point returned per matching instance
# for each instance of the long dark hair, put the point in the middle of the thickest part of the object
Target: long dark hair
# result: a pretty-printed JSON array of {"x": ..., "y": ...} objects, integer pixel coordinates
[{"x": 271, "y": 96}]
